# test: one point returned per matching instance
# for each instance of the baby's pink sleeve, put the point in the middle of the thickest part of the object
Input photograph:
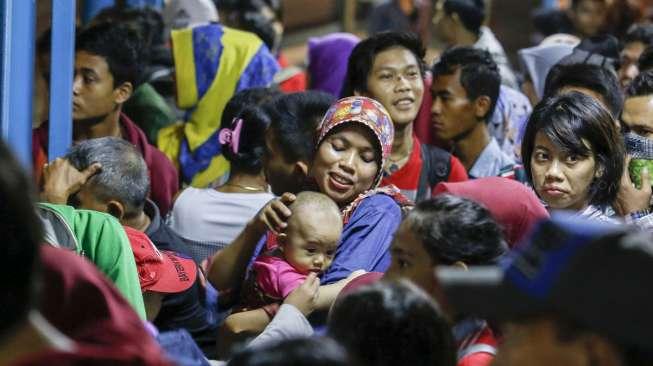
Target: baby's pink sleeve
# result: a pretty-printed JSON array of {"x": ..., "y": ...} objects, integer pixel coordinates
[
  {"x": 267, "y": 276},
  {"x": 276, "y": 277},
  {"x": 289, "y": 279}
]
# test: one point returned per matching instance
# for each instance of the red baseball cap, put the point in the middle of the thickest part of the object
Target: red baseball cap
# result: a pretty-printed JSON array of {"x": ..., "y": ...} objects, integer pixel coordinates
[{"x": 160, "y": 270}]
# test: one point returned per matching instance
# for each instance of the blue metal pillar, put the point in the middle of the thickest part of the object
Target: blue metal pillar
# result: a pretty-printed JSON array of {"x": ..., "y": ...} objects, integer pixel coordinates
[
  {"x": 61, "y": 77},
  {"x": 18, "y": 28}
]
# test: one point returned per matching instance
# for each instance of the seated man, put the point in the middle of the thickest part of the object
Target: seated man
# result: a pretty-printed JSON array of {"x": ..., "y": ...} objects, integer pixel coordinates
[
  {"x": 465, "y": 91},
  {"x": 120, "y": 188},
  {"x": 33, "y": 340},
  {"x": 98, "y": 237},
  {"x": 389, "y": 67},
  {"x": 107, "y": 71},
  {"x": 573, "y": 296}
]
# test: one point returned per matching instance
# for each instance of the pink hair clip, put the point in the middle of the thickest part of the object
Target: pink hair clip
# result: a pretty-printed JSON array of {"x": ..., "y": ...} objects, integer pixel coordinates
[{"x": 231, "y": 137}]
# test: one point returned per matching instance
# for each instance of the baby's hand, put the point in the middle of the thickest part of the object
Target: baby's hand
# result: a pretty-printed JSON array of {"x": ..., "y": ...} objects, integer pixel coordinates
[
  {"x": 305, "y": 296},
  {"x": 274, "y": 215}
]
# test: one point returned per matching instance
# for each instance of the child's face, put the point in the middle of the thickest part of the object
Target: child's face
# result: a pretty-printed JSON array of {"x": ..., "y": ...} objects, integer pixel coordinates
[
  {"x": 311, "y": 241},
  {"x": 410, "y": 259}
]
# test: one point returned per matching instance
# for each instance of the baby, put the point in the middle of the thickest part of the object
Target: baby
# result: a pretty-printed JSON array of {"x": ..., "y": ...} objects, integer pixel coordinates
[{"x": 308, "y": 245}]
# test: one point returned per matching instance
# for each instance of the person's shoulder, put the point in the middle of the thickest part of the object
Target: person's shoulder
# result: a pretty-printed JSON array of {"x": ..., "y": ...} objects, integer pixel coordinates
[
  {"x": 190, "y": 194},
  {"x": 378, "y": 203},
  {"x": 380, "y": 200}
]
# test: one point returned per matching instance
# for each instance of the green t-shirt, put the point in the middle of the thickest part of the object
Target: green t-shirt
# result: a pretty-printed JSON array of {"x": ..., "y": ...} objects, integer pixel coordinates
[{"x": 101, "y": 239}]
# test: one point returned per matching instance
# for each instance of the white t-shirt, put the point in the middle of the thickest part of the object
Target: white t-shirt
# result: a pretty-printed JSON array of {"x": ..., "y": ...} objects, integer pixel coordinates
[{"x": 208, "y": 220}]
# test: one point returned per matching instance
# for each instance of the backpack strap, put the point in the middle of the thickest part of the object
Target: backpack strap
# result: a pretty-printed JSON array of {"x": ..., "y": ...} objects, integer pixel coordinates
[{"x": 436, "y": 167}]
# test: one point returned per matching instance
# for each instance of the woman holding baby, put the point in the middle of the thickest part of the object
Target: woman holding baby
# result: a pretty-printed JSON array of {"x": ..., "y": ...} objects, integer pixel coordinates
[{"x": 354, "y": 140}]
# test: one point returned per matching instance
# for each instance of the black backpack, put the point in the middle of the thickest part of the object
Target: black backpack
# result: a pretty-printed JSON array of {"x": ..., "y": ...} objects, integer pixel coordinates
[{"x": 436, "y": 166}]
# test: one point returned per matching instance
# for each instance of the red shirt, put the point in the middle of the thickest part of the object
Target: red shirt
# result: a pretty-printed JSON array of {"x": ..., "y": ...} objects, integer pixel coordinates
[
  {"x": 407, "y": 177},
  {"x": 478, "y": 349},
  {"x": 82, "y": 304},
  {"x": 294, "y": 80}
]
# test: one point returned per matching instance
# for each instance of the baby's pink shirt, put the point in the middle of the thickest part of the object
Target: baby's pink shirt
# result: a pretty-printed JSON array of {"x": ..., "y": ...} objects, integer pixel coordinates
[{"x": 276, "y": 277}]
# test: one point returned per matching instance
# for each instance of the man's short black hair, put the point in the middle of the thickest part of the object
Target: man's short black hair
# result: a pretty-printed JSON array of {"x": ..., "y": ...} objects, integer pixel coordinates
[
  {"x": 639, "y": 33},
  {"x": 479, "y": 74},
  {"x": 362, "y": 57},
  {"x": 645, "y": 61},
  {"x": 642, "y": 85},
  {"x": 21, "y": 236},
  {"x": 119, "y": 45},
  {"x": 589, "y": 76},
  {"x": 456, "y": 229},
  {"x": 570, "y": 121},
  {"x": 294, "y": 120},
  {"x": 470, "y": 12}
]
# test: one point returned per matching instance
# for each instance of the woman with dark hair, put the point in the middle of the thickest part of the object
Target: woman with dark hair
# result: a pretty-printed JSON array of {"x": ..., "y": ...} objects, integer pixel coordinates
[
  {"x": 210, "y": 218},
  {"x": 392, "y": 323},
  {"x": 574, "y": 155},
  {"x": 354, "y": 141}
]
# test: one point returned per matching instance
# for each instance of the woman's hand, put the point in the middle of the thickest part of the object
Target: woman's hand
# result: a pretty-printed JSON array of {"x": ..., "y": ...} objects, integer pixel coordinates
[
  {"x": 304, "y": 297},
  {"x": 629, "y": 198},
  {"x": 274, "y": 215}
]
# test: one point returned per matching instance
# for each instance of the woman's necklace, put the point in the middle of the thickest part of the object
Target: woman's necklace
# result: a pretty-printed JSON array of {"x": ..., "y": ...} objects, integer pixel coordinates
[{"x": 247, "y": 188}]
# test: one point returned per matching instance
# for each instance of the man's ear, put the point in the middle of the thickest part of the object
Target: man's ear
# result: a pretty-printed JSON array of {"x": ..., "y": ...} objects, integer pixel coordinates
[
  {"x": 123, "y": 92},
  {"x": 482, "y": 106},
  {"x": 116, "y": 209},
  {"x": 301, "y": 168}
]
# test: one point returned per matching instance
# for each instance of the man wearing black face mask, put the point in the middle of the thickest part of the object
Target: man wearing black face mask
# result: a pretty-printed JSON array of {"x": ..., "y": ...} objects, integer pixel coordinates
[{"x": 107, "y": 70}]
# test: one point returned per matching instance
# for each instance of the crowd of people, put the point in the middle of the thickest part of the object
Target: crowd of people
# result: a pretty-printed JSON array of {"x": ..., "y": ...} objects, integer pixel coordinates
[{"x": 220, "y": 206}]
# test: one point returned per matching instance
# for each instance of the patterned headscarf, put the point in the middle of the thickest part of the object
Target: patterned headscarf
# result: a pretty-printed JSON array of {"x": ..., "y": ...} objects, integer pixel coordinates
[
  {"x": 212, "y": 63},
  {"x": 366, "y": 111}
]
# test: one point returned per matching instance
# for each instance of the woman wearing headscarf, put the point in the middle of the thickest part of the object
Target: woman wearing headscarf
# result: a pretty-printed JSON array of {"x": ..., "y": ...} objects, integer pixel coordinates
[
  {"x": 212, "y": 62},
  {"x": 354, "y": 141}
]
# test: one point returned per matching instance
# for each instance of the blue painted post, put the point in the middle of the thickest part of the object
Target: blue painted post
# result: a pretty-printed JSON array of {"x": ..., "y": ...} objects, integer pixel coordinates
[
  {"x": 18, "y": 28},
  {"x": 61, "y": 78}
]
